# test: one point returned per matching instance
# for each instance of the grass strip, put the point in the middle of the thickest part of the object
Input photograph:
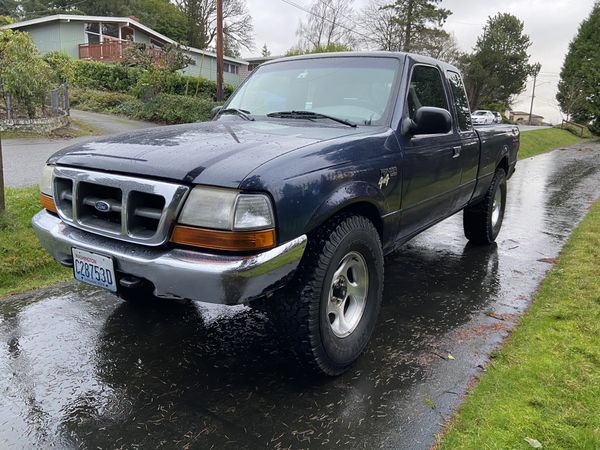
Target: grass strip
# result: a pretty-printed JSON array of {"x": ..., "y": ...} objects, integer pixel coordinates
[
  {"x": 24, "y": 264},
  {"x": 544, "y": 384},
  {"x": 536, "y": 142}
]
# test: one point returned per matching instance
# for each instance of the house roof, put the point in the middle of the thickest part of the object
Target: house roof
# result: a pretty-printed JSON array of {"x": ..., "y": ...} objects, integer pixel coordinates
[
  {"x": 125, "y": 20},
  {"x": 262, "y": 58},
  {"x": 523, "y": 113}
]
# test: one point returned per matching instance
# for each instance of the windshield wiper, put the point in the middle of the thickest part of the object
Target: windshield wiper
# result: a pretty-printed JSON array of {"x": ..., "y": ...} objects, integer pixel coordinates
[
  {"x": 309, "y": 115},
  {"x": 238, "y": 112}
]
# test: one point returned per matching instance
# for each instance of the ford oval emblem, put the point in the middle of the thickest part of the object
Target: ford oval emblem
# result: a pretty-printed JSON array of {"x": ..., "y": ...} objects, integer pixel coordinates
[{"x": 102, "y": 206}]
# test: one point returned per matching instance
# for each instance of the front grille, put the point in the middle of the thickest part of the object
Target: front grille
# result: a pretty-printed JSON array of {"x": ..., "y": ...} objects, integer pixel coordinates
[{"x": 126, "y": 208}]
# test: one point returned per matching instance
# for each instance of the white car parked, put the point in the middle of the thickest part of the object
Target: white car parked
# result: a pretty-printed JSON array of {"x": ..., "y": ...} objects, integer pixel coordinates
[{"x": 483, "y": 117}]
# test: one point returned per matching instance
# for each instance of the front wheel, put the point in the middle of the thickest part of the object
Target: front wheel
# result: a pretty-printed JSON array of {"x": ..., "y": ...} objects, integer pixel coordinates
[
  {"x": 330, "y": 316},
  {"x": 483, "y": 220}
]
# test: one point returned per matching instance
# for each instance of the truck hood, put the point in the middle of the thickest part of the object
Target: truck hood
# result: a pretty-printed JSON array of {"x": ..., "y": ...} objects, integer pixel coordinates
[{"x": 219, "y": 153}]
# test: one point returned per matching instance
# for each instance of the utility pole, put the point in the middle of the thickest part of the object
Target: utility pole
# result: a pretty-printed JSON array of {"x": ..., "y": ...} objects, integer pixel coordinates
[
  {"x": 2, "y": 201},
  {"x": 220, "y": 50},
  {"x": 535, "y": 70}
]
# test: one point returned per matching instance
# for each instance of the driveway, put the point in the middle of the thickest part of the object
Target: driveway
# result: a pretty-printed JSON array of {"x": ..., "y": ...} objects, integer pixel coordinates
[
  {"x": 79, "y": 368},
  {"x": 24, "y": 158}
]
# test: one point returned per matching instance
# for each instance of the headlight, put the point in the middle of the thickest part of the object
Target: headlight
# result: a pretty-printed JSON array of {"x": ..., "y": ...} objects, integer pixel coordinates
[
  {"x": 226, "y": 209},
  {"x": 226, "y": 220},
  {"x": 46, "y": 181}
]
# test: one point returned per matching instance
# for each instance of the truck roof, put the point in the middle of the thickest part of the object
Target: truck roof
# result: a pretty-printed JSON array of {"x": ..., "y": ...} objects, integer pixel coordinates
[{"x": 372, "y": 54}]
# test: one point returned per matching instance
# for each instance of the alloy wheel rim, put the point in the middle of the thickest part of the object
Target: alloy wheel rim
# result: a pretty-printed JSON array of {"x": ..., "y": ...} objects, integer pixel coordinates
[
  {"x": 348, "y": 294},
  {"x": 496, "y": 207}
]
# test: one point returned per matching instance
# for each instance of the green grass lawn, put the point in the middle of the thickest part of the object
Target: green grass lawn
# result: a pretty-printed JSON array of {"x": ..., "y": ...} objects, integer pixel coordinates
[
  {"x": 23, "y": 263},
  {"x": 545, "y": 383},
  {"x": 541, "y": 141}
]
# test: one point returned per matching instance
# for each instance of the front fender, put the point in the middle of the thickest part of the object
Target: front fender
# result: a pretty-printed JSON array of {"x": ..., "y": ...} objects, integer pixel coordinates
[{"x": 346, "y": 195}]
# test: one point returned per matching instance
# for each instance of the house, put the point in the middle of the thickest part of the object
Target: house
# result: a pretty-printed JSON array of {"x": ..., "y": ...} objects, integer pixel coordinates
[
  {"x": 105, "y": 39},
  {"x": 520, "y": 117},
  {"x": 254, "y": 62}
]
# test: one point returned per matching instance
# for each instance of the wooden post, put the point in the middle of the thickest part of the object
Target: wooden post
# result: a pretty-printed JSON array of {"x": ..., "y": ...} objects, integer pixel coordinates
[
  {"x": 220, "y": 50},
  {"x": 2, "y": 201},
  {"x": 535, "y": 70}
]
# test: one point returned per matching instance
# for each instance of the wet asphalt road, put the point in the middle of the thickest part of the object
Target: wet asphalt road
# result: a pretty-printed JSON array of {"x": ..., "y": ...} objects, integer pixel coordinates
[
  {"x": 24, "y": 158},
  {"x": 79, "y": 368}
]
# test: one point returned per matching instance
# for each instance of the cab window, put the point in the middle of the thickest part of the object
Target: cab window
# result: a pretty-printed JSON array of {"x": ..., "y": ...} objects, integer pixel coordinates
[
  {"x": 426, "y": 89},
  {"x": 463, "y": 111}
]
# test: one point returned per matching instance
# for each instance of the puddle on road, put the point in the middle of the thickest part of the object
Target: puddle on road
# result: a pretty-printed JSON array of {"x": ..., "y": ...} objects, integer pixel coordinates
[{"x": 79, "y": 368}]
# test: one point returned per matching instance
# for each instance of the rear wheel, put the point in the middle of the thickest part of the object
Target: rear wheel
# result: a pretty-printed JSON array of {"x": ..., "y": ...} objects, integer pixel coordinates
[
  {"x": 483, "y": 220},
  {"x": 330, "y": 315}
]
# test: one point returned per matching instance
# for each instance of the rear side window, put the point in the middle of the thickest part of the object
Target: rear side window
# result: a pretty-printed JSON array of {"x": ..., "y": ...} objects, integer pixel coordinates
[
  {"x": 426, "y": 89},
  {"x": 463, "y": 111}
]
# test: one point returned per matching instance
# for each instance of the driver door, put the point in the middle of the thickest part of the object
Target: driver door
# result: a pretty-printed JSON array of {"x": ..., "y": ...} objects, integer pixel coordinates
[{"x": 431, "y": 168}]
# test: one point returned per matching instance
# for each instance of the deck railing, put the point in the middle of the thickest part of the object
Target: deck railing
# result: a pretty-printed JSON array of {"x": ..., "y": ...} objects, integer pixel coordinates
[{"x": 111, "y": 51}]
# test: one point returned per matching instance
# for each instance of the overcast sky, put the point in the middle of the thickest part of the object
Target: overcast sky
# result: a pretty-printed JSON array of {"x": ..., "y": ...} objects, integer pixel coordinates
[{"x": 551, "y": 25}]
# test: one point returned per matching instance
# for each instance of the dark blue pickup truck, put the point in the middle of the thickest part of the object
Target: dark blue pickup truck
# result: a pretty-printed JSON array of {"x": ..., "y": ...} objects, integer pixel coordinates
[{"x": 288, "y": 200}]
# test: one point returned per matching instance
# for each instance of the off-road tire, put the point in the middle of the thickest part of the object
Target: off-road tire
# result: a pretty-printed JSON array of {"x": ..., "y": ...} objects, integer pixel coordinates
[
  {"x": 477, "y": 219},
  {"x": 300, "y": 312}
]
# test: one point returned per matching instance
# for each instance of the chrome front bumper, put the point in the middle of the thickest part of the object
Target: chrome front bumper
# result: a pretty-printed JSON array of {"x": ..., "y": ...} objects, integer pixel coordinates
[{"x": 176, "y": 272}]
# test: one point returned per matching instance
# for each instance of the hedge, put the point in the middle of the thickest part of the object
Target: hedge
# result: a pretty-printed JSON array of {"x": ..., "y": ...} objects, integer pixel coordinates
[
  {"x": 119, "y": 78},
  {"x": 164, "y": 108},
  {"x": 168, "y": 108},
  {"x": 97, "y": 101},
  {"x": 108, "y": 77}
]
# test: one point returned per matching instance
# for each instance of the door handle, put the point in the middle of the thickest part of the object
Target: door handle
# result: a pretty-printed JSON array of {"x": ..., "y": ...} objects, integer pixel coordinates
[{"x": 456, "y": 151}]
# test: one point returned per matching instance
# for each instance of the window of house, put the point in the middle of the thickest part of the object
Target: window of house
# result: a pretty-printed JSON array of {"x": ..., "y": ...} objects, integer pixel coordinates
[
  {"x": 110, "y": 31},
  {"x": 92, "y": 33},
  {"x": 231, "y": 68},
  {"x": 97, "y": 32},
  {"x": 463, "y": 111},
  {"x": 426, "y": 89}
]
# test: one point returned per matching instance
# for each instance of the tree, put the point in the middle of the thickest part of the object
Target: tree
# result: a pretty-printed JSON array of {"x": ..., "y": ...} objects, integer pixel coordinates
[
  {"x": 23, "y": 74},
  {"x": 265, "y": 51},
  {"x": 331, "y": 48},
  {"x": 439, "y": 44},
  {"x": 329, "y": 22},
  {"x": 162, "y": 16},
  {"x": 202, "y": 23},
  {"x": 386, "y": 33},
  {"x": 497, "y": 70},
  {"x": 9, "y": 8},
  {"x": 579, "y": 89},
  {"x": 417, "y": 19}
]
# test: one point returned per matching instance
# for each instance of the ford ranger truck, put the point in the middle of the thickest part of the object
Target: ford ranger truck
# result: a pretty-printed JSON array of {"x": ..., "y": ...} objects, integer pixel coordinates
[{"x": 288, "y": 200}]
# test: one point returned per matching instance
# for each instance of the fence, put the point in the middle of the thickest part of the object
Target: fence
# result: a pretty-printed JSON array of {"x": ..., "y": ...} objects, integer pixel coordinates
[
  {"x": 50, "y": 112},
  {"x": 55, "y": 103},
  {"x": 581, "y": 128}
]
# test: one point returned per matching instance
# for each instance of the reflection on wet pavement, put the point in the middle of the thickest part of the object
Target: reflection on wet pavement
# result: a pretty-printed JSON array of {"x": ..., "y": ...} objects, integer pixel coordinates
[{"x": 79, "y": 368}]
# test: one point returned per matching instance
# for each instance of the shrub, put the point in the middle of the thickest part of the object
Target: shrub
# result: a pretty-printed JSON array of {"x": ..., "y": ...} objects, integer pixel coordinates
[
  {"x": 134, "y": 80},
  {"x": 177, "y": 84},
  {"x": 109, "y": 77},
  {"x": 97, "y": 101},
  {"x": 23, "y": 74},
  {"x": 61, "y": 66},
  {"x": 168, "y": 108}
]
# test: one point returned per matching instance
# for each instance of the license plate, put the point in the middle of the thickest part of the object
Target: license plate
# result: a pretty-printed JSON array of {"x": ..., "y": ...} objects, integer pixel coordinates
[{"x": 94, "y": 269}]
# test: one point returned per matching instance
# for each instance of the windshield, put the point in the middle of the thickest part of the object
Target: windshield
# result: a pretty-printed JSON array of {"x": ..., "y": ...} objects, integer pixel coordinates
[
  {"x": 479, "y": 113},
  {"x": 357, "y": 89}
]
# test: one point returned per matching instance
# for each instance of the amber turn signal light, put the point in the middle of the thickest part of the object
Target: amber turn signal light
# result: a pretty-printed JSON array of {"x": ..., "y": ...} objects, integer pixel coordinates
[
  {"x": 241, "y": 241},
  {"x": 48, "y": 203}
]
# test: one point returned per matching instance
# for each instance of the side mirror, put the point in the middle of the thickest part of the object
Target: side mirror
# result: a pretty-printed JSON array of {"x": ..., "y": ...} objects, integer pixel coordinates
[
  {"x": 216, "y": 110},
  {"x": 428, "y": 120}
]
